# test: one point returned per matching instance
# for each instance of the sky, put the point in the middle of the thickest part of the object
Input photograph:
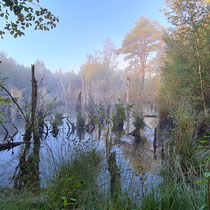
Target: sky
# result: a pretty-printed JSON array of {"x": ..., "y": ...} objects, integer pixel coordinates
[{"x": 83, "y": 26}]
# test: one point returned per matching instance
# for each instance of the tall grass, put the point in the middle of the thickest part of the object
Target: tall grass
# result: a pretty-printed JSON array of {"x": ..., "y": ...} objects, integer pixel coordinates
[
  {"x": 75, "y": 184},
  {"x": 184, "y": 186}
]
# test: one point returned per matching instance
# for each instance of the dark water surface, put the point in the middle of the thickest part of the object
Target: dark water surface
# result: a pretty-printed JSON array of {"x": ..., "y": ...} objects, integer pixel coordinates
[{"x": 139, "y": 170}]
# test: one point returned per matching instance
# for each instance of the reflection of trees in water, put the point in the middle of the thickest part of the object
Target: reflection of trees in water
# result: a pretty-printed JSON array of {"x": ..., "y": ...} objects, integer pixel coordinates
[
  {"x": 27, "y": 171},
  {"x": 81, "y": 133},
  {"x": 115, "y": 182},
  {"x": 139, "y": 155}
]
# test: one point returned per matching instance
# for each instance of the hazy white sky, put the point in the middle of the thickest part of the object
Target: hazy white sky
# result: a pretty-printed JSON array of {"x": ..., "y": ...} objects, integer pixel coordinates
[{"x": 84, "y": 25}]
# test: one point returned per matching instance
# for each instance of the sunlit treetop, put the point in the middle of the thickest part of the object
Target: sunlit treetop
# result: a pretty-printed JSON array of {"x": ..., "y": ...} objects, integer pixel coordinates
[
  {"x": 21, "y": 14},
  {"x": 185, "y": 12}
]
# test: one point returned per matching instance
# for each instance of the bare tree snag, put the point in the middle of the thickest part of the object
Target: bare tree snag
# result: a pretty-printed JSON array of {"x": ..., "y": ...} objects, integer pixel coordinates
[
  {"x": 88, "y": 94},
  {"x": 155, "y": 143},
  {"x": 33, "y": 95},
  {"x": 128, "y": 104},
  {"x": 83, "y": 94},
  {"x": 35, "y": 127},
  {"x": 64, "y": 91}
]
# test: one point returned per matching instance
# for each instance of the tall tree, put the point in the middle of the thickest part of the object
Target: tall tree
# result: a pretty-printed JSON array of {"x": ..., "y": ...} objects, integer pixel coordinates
[
  {"x": 141, "y": 44},
  {"x": 191, "y": 36}
]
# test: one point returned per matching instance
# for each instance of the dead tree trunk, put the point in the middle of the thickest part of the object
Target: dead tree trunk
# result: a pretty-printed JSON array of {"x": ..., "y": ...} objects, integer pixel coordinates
[
  {"x": 83, "y": 94},
  {"x": 33, "y": 96},
  {"x": 88, "y": 95},
  {"x": 35, "y": 127},
  {"x": 128, "y": 104},
  {"x": 28, "y": 174},
  {"x": 115, "y": 184},
  {"x": 64, "y": 91},
  {"x": 155, "y": 143}
]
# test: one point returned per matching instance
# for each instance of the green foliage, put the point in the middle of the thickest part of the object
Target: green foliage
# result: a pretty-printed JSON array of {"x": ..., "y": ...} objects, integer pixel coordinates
[
  {"x": 141, "y": 43},
  {"x": 182, "y": 144},
  {"x": 145, "y": 31},
  {"x": 138, "y": 121},
  {"x": 118, "y": 117},
  {"x": 75, "y": 184},
  {"x": 58, "y": 118},
  {"x": 185, "y": 166},
  {"x": 22, "y": 14},
  {"x": 186, "y": 64},
  {"x": 174, "y": 196}
]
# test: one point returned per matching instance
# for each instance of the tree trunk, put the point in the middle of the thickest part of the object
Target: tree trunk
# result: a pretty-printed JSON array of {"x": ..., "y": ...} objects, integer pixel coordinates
[
  {"x": 202, "y": 91},
  {"x": 128, "y": 104},
  {"x": 33, "y": 98},
  {"x": 83, "y": 94},
  {"x": 64, "y": 91},
  {"x": 155, "y": 143},
  {"x": 142, "y": 77},
  {"x": 88, "y": 94},
  {"x": 35, "y": 129},
  {"x": 115, "y": 182}
]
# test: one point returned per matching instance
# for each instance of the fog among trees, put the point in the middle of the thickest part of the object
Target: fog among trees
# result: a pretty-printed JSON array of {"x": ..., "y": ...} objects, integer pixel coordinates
[{"x": 109, "y": 136}]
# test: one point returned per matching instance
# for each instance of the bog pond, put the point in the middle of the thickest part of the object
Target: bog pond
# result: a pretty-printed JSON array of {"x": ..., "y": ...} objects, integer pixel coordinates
[{"x": 136, "y": 163}]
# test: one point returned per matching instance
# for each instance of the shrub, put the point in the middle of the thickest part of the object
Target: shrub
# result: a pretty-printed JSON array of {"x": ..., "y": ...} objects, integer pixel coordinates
[
  {"x": 138, "y": 122},
  {"x": 118, "y": 117},
  {"x": 58, "y": 118}
]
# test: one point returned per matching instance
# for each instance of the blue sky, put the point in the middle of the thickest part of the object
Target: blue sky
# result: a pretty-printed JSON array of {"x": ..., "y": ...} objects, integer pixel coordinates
[{"x": 84, "y": 25}]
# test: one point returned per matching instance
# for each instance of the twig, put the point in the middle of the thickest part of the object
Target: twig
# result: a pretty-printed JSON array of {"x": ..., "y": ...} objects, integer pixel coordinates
[{"x": 15, "y": 102}]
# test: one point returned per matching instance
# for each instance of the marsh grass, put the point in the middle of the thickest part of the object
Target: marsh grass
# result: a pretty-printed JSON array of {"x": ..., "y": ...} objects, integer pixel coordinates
[
  {"x": 174, "y": 196},
  {"x": 182, "y": 167},
  {"x": 76, "y": 182},
  {"x": 79, "y": 179}
]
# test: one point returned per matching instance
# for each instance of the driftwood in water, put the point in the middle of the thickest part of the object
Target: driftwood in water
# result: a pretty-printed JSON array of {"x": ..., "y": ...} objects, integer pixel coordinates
[
  {"x": 10, "y": 145},
  {"x": 151, "y": 115}
]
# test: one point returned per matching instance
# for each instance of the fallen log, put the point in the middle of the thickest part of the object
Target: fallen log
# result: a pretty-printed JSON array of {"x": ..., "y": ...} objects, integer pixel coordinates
[
  {"x": 10, "y": 145},
  {"x": 148, "y": 115}
]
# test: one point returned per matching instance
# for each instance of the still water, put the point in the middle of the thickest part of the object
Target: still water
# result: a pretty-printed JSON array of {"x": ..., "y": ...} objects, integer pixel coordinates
[{"x": 135, "y": 161}]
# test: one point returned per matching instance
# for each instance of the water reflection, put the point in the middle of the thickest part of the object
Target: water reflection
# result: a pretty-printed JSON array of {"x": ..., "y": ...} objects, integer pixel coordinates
[{"x": 128, "y": 163}]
